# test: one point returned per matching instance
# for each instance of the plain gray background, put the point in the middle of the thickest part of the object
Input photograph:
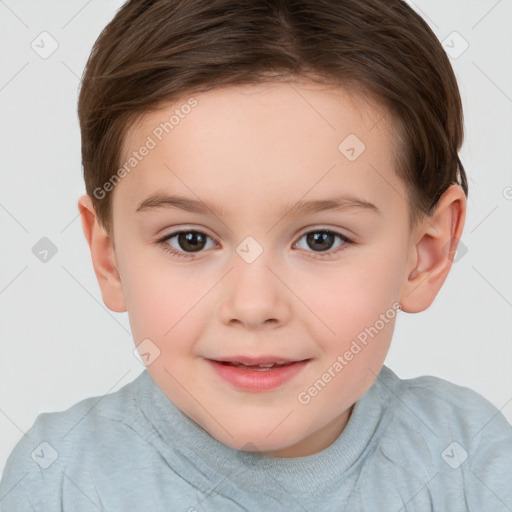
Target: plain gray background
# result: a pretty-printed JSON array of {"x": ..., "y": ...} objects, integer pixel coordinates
[{"x": 58, "y": 342}]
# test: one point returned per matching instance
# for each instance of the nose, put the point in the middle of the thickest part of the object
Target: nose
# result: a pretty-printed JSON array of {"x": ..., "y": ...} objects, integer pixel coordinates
[{"x": 254, "y": 296}]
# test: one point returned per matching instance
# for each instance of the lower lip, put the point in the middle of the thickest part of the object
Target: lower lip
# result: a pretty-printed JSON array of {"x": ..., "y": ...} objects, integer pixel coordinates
[{"x": 257, "y": 380}]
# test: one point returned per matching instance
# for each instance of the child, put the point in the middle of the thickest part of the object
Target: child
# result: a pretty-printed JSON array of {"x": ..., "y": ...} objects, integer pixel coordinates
[{"x": 222, "y": 141}]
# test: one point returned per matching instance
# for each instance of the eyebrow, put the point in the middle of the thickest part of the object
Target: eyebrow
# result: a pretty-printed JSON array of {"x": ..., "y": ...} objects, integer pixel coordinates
[{"x": 339, "y": 203}]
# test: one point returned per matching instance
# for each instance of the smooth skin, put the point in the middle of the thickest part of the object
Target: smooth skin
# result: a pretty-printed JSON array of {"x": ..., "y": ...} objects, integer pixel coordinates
[{"x": 253, "y": 151}]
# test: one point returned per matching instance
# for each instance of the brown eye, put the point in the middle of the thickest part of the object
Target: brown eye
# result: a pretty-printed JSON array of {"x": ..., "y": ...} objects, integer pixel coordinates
[
  {"x": 322, "y": 241},
  {"x": 191, "y": 241},
  {"x": 186, "y": 243}
]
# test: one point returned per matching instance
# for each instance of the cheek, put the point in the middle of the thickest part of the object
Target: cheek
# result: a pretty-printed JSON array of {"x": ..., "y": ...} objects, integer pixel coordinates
[
  {"x": 350, "y": 298},
  {"x": 162, "y": 301},
  {"x": 357, "y": 305}
]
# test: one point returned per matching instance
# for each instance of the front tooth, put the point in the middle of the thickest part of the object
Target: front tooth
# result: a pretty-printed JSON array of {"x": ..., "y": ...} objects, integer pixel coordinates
[{"x": 264, "y": 365}]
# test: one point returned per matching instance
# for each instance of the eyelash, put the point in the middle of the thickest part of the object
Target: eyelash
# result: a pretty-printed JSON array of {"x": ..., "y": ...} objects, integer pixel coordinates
[{"x": 317, "y": 255}]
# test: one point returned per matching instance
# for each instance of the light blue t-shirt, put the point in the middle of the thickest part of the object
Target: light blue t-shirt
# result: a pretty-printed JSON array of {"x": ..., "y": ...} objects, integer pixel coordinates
[{"x": 421, "y": 445}]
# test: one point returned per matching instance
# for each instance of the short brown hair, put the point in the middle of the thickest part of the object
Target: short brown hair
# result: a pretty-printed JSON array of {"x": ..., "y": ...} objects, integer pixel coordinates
[{"x": 154, "y": 51}]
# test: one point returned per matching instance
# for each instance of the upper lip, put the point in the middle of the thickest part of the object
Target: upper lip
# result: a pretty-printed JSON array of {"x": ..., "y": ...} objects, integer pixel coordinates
[{"x": 264, "y": 359}]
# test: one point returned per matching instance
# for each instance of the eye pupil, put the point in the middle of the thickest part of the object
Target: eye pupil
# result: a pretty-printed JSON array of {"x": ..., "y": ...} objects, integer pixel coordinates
[
  {"x": 192, "y": 240},
  {"x": 322, "y": 237}
]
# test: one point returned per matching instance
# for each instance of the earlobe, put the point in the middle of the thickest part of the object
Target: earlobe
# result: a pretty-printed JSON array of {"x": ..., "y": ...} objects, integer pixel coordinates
[
  {"x": 436, "y": 240},
  {"x": 103, "y": 257}
]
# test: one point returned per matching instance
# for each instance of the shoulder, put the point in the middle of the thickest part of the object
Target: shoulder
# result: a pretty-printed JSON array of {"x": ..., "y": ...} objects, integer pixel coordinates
[
  {"x": 443, "y": 410},
  {"x": 449, "y": 406},
  {"x": 88, "y": 418},
  {"x": 446, "y": 408},
  {"x": 449, "y": 436},
  {"x": 48, "y": 455}
]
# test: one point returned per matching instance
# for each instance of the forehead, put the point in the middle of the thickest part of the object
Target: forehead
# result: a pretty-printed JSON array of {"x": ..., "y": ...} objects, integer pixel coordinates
[{"x": 269, "y": 143}]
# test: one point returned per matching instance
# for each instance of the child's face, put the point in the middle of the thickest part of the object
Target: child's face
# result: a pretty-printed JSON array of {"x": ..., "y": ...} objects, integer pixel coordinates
[{"x": 254, "y": 152}]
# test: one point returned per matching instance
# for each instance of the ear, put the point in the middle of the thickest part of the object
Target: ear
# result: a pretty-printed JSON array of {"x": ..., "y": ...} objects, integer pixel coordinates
[
  {"x": 435, "y": 242},
  {"x": 103, "y": 257}
]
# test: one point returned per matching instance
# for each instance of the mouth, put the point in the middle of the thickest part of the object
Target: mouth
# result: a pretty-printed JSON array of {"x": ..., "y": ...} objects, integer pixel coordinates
[{"x": 257, "y": 374}]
